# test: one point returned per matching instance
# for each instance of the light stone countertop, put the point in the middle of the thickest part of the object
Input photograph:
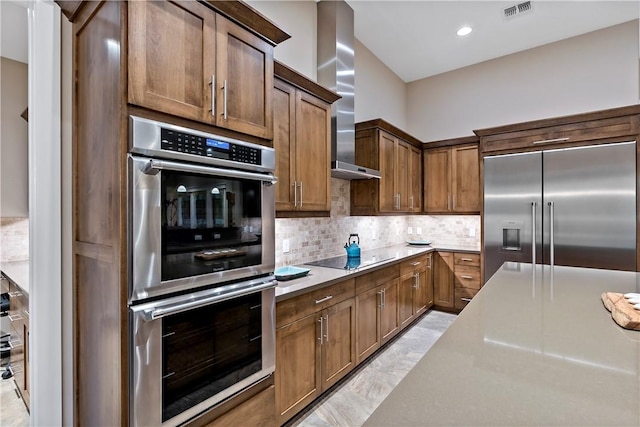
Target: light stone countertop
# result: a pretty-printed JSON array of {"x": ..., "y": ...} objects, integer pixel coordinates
[
  {"x": 533, "y": 347},
  {"x": 319, "y": 277},
  {"x": 17, "y": 272}
]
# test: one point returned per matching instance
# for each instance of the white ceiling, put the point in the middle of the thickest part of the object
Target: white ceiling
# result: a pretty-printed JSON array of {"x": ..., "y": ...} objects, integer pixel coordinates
[{"x": 417, "y": 39}]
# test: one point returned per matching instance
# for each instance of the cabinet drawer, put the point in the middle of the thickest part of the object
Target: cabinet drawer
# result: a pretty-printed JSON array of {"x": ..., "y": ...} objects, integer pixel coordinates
[
  {"x": 463, "y": 296},
  {"x": 415, "y": 264},
  {"x": 371, "y": 280},
  {"x": 467, "y": 277},
  {"x": 466, "y": 259},
  {"x": 292, "y": 309}
]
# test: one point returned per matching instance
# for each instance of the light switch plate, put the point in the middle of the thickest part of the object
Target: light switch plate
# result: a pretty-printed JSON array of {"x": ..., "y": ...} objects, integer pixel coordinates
[
  {"x": 409, "y": 230},
  {"x": 418, "y": 230},
  {"x": 472, "y": 232},
  {"x": 285, "y": 246}
]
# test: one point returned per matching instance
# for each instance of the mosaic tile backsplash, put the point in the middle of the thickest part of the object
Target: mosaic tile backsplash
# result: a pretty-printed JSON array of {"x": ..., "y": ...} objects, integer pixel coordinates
[
  {"x": 14, "y": 239},
  {"x": 311, "y": 239}
]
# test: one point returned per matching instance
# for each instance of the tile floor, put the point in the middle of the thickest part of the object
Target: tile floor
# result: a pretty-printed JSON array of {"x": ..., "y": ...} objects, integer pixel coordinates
[
  {"x": 353, "y": 401},
  {"x": 349, "y": 404},
  {"x": 13, "y": 412}
]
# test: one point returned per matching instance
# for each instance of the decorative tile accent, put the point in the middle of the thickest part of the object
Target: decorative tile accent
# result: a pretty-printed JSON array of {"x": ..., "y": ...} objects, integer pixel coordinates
[
  {"x": 14, "y": 239},
  {"x": 311, "y": 239}
]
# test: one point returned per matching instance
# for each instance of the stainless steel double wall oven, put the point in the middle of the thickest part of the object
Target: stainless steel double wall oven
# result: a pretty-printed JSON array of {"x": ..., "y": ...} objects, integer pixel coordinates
[{"x": 201, "y": 284}]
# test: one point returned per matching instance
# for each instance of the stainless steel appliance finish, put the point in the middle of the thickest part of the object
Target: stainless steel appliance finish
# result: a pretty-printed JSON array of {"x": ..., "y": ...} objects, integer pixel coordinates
[
  {"x": 336, "y": 71},
  {"x": 149, "y": 346},
  {"x": 572, "y": 207},
  {"x": 149, "y": 179}
]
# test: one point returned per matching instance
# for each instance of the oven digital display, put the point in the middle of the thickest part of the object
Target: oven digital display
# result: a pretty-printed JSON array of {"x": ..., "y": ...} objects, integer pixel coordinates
[{"x": 214, "y": 143}]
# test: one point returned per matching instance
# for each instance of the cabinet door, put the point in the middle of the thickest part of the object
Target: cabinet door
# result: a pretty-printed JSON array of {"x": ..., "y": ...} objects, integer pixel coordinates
[
  {"x": 421, "y": 295},
  {"x": 313, "y": 153},
  {"x": 436, "y": 180},
  {"x": 368, "y": 323},
  {"x": 415, "y": 180},
  {"x": 339, "y": 342},
  {"x": 244, "y": 79},
  {"x": 171, "y": 54},
  {"x": 298, "y": 372},
  {"x": 428, "y": 281},
  {"x": 284, "y": 122},
  {"x": 389, "y": 323},
  {"x": 388, "y": 199},
  {"x": 465, "y": 179},
  {"x": 443, "y": 279},
  {"x": 402, "y": 168},
  {"x": 407, "y": 288}
]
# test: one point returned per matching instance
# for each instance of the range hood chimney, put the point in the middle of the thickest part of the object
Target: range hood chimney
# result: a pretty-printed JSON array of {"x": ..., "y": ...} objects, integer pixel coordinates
[{"x": 336, "y": 71}]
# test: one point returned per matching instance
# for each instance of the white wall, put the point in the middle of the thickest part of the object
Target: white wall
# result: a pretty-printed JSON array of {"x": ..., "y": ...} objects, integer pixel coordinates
[
  {"x": 14, "y": 140},
  {"x": 379, "y": 92},
  {"x": 590, "y": 72}
]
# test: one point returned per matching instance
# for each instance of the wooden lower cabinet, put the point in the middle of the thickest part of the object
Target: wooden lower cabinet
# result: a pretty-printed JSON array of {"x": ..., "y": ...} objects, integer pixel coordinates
[
  {"x": 312, "y": 354},
  {"x": 415, "y": 289},
  {"x": 256, "y": 412},
  {"x": 443, "y": 280},
  {"x": 376, "y": 318}
]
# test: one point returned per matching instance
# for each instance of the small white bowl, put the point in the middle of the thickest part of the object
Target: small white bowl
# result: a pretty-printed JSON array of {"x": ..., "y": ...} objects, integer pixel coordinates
[{"x": 632, "y": 295}]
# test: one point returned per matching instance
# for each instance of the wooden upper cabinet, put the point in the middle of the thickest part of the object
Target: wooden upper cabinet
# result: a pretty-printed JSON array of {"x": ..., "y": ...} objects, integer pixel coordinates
[
  {"x": 397, "y": 156},
  {"x": 188, "y": 61},
  {"x": 452, "y": 179},
  {"x": 302, "y": 140},
  {"x": 244, "y": 79},
  {"x": 465, "y": 179},
  {"x": 172, "y": 57}
]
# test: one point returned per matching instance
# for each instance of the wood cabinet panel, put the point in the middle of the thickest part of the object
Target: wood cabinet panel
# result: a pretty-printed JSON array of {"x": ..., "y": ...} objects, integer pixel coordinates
[
  {"x": 406, "y": 291},
  {"x": 463, "y": 297},
  {"x": 466, "y": 259},
  {"x": 443, "y": 281},
  {"x": 339, "y": 346},
  {"x": 244, "y": 66},
  {"x": 452, "y": 179},
  {"x": 298, "y": 370},
  {"x": 284, "y": 128},
  {"x": 302, "y": 141},
  {"x": 436, "y": 180},
  {"x": 171, "y": 70},
  {"x": 467, "y": 277},
  {"x": 256, "y": 411},
  {"x": 399, "y": 188},
  {"x": 368, "y": 338},
  {"x": 465, "y": 179},
  {"x": 389, "y": 321},
  {"x": 376, "y": 278},
  {"x": 428, "y": 285}
]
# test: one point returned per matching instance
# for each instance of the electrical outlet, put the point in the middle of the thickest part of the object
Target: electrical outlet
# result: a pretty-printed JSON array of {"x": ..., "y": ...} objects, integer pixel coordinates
[
  {"x": 409, "y": 230},
  {"x": 419, "y": 230},
  {"x": 472, "y": 232},
  {"x": 397, "y": 231},
  {"x": 285, "y": 246},
  {"x": 373, "y": 234}
]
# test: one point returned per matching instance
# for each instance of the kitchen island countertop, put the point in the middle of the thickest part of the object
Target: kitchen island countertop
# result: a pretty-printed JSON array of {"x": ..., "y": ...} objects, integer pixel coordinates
[
  {"x": 17, "y": 272},
  {"x": 533, "y": 347},
  {"x": 323, "y": 276}
]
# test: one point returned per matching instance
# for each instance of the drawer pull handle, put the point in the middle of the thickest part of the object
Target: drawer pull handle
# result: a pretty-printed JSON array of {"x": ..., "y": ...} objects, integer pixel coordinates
[
  {"x": 12, "y": 346},
  {"x": 467, "y": 277},
  {"x": 466, "y": 259},
  {"x": 416, "y": 263},
  {"x": 15, "y": 294},
  {"x": 546, "y": 141},
  {"x": 466, "y": 299},
  {"x": 321, "y": 333},
  {"x": 327, "y": 298},
  {"x": 15, "y": 317}
]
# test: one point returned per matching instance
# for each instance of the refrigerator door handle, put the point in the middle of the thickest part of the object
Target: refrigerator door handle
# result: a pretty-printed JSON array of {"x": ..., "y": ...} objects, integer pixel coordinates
[
  {"x": 551, "y": 242},
  {"x": 533, "y": 234}
]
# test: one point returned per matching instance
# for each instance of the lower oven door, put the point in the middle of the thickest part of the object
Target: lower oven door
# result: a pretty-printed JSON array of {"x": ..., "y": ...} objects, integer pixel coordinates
[
  {"x": 194, "y": 225},
  {"x": 189, "y": 352}
]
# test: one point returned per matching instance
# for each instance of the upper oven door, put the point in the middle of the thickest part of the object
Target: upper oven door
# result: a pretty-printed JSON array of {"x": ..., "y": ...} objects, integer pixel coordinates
[{"x": 193, "y": 225}]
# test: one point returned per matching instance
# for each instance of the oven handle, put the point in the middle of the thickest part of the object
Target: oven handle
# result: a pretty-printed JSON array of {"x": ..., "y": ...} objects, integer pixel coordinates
[
  {"x": 206, "y": 299},
  {"x": 155, "y": 165}
]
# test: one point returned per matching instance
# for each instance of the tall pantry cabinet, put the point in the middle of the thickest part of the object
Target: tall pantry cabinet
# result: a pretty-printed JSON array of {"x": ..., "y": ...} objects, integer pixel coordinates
[{"x": 203, "y": 65}]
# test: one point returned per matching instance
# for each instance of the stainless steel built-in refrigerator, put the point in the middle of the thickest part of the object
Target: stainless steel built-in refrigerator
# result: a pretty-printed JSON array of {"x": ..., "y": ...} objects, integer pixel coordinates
[{"x": 579, "y": 204}]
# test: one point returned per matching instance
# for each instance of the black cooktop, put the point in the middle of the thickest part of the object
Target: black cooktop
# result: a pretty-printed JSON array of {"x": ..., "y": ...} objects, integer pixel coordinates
[{"x": 344, "y": 263}]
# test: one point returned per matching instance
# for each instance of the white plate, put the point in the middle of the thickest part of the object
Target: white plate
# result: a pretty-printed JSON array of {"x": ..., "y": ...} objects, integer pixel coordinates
[
  {"x": 632, "y": 295},
  {"x": 634, "y": 300},
  {"x": 419, "y": 242},
  {"x": 637, "y": 306}
]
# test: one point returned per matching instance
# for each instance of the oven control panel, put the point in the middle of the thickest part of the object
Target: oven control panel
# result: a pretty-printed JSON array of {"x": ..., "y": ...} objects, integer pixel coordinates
[{"x": 183, "y": 142}]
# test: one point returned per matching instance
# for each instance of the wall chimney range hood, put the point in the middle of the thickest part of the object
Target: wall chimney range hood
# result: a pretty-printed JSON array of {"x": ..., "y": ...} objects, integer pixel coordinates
[{"x": 336, "y": 71}]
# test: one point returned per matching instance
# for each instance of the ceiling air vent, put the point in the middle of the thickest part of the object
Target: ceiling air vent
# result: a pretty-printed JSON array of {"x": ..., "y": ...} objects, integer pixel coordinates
[{"x": 518, "y": 9}]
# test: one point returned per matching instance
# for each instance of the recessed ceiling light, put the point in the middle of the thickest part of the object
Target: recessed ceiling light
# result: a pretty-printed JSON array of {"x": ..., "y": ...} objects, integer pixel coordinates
[{"x": 464, "y": 31}]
